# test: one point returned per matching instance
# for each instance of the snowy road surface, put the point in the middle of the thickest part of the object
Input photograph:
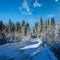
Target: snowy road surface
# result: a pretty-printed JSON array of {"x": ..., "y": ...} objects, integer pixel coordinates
[
  {"x": 28, "y": 50},
  {"x": 33, "y": 45}
]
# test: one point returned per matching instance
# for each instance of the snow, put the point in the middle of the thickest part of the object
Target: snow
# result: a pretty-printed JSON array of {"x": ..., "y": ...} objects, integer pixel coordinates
[
  {"x": 31, "y": 49},
  {"x": 33, "y": 46}
]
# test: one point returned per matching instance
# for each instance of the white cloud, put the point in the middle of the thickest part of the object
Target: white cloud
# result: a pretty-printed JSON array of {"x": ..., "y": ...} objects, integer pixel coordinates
[
  {"x": 24, "y": 12},
  {"x": 36, "y": 4},
  {"x": 25, "y": 7},
  {"x": 56, "y": 0},
  {"x": 50, "y": 15},
  {"x": 30, "y": 13}
]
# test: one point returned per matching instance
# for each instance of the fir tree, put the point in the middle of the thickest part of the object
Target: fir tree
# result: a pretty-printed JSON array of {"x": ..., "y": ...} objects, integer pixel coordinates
[
  {"x": 9, "y": 25},
  {"x": 52, "y": 21},
  {"x": 13, "y": 27},
  {"x": 36, "y": 27},
  {"x": 25, "y": 30},
  {"x": 1, "y": 26},
  {"x": 23, "y": 23},
  {"x": 41, "y": 24},
  {"x": 48, "y": 22},
  {"x": 28, "y": 26},
  {"x": 33, "y": 30},
  {"x": 18, "y": 27}
]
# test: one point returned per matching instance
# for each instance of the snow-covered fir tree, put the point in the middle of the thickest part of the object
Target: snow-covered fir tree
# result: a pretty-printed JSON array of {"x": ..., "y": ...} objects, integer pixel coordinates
[
  {"x": 18, "y": 27},
  {"x": 57, "y": 30}
]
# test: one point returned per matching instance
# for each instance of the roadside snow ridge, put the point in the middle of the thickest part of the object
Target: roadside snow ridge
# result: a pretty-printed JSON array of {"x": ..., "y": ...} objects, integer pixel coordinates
[{"x": 33, "y": 46}]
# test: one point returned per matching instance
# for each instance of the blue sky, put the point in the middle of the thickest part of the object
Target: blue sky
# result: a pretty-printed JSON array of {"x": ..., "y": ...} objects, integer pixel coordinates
[{"x": 29, "y": 10}]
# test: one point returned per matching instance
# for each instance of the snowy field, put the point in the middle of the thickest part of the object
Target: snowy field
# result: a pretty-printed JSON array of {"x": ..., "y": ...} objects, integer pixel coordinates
[{"x": 31, "y": 49}]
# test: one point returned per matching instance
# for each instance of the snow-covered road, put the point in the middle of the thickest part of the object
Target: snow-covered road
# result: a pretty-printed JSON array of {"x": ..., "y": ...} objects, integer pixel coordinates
[
  {"x": 28, "y": 50},
  {"x": 33, "y": 45}
]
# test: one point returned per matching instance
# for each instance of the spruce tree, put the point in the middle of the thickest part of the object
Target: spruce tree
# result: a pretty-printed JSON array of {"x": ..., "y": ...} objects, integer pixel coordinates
[
  {"x": 9, "y": 25},
  {"x": 41, "y": 24},
  {"x": 36, "y": 27},
  {"x": 33, "y": 30},
  {"x": 13, "y": 27},
  {"x": 52, "y": 21},
  {"x": 48, "y": 22},
  {"x": 18, "y": 27},
  {"x": 1, "y": 26},
  {"x": 23, "y": 23},
  {"x": 25, "y": 30},
  {"x": 28, "y": 26}
]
